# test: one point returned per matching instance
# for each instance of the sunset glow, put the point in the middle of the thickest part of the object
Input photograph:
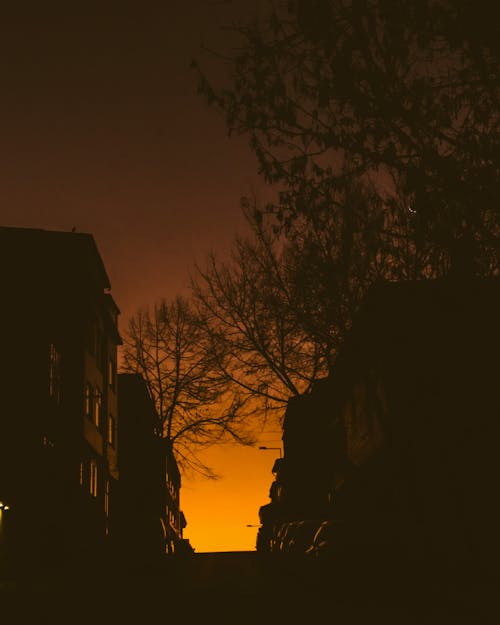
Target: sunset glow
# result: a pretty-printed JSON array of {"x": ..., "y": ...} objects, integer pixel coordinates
[
  {"x": 132, "y": 155},
  {"x": 219, "y": 511}
]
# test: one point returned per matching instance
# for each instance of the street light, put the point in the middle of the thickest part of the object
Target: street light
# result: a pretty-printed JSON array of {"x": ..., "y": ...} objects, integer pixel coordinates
[{"x": 271, "y": 448}]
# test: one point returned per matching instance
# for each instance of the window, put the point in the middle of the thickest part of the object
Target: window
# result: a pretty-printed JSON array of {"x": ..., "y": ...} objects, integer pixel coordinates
[
  {"x": 111, "y": 431},
  {"x": 55, "y": 374},
  {"x": 46, "y": 442},
  {"x": 112, "y": 373},
  {"x": 93, "y": 478},
  {"x": 171, "y": 488},
  {"x": 97, "y": 407},
  {"x": 106, "y": 498},
  {"x": 93, "y": 404},
  {"x": 89, "y": 397}
]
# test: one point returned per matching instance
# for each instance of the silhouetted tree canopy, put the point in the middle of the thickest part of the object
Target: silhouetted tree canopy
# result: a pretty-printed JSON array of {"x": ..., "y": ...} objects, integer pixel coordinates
[
  {"x": 378, "y": 123},
  {"x": 276, "y": 311},
  {"x": 264, "y": 324},
  {"x": 167, "y": 346},
  {"x": 406, "y": 93}
]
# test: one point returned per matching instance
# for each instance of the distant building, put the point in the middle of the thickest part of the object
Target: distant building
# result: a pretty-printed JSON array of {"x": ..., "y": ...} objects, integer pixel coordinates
[
  {"x": 59, "y": 412},
  {"x": 151, "y": 521},
  {"x": 173, "y": 519},
  {"x": 141, "y": 480}
]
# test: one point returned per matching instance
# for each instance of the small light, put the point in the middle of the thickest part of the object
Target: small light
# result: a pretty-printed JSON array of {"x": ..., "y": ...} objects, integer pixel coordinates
[
  {"x": 6, "y": 507},
  {"x": 1, "y": 504}
]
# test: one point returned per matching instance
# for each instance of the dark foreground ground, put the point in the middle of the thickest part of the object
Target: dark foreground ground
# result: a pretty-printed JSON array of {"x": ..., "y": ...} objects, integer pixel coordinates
[{"x": 241, "y": 587}]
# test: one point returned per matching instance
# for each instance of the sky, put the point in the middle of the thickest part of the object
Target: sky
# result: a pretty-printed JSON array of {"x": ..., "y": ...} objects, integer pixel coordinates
[{"x": 102, "y": 130}]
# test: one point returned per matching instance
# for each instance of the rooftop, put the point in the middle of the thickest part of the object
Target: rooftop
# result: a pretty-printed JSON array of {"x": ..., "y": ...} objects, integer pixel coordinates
[{"x": 66, "y": 251}]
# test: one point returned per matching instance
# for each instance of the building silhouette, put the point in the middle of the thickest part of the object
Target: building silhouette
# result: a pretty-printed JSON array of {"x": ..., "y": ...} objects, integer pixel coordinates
[
  {"x": 173, "y": 519},
  {"x": 60, "y": 430},
  {"x": 150, "y": 520},
  {"x": 58, "y": 456},
  {"x": 400, "y": 442},
  {"x": 302, "y": 486}
]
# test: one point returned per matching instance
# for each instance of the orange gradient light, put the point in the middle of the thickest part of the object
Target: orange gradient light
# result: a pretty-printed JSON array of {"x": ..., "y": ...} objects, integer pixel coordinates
[{"x": 218, "y": 512}]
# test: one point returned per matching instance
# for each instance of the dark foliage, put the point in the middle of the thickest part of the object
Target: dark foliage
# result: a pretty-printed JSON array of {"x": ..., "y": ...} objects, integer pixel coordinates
[{"x": 404, "y": 92}]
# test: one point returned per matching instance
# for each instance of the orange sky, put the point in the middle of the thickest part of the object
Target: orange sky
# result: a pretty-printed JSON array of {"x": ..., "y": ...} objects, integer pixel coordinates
[
  {"x": 218, "y": 511},
  {"x": 102, "y": 130}
]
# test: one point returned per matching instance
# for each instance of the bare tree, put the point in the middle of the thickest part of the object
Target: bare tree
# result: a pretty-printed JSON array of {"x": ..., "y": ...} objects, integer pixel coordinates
[
  {"x": 267, "y": 323},
  {"x": 246, "y": 303},
  {"x": 277, "y": 310},
  {"x": 168, "y": 347}
]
